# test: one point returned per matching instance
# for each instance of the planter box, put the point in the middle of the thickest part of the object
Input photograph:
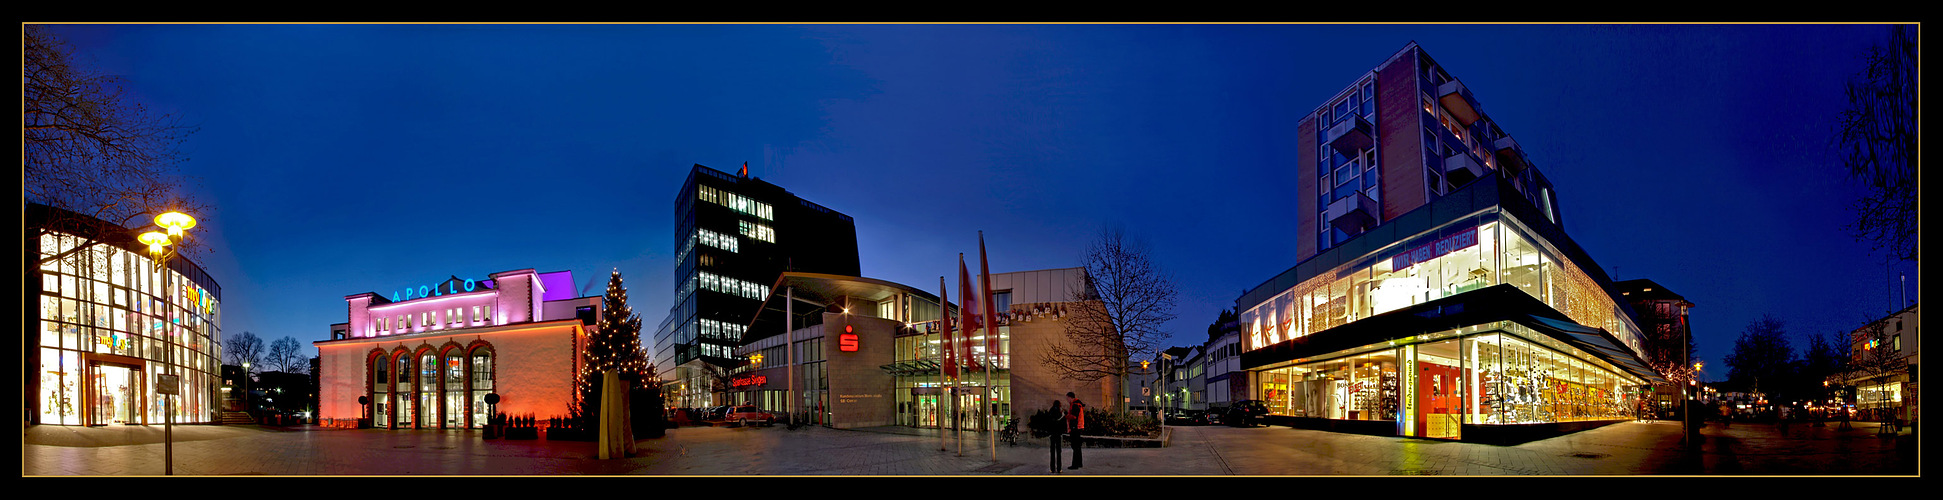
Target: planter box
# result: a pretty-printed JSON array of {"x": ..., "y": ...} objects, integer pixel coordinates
[{"x": 1126, "y": 441}]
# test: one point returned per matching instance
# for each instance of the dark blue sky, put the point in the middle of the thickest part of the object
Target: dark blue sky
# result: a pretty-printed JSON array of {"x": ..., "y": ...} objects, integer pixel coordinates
[{"x": 353, "y": 158}]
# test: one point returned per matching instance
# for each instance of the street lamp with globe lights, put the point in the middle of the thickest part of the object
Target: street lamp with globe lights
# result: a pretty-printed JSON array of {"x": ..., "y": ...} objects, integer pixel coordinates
[{"x": 161, "y": 248}]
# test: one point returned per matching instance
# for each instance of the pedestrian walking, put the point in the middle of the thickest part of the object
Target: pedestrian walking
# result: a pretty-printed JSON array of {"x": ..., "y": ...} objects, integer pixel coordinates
[
  {"x": 1784, "y": 419},
  {"x": 1059, "y": 411},
  {"x": 1075, "y": 422},
  {"x": 1726, "y": 416}
]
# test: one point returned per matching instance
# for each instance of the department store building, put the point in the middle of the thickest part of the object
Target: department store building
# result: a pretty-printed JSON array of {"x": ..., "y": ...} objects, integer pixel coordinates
[{"x": 1437, "y": 294}]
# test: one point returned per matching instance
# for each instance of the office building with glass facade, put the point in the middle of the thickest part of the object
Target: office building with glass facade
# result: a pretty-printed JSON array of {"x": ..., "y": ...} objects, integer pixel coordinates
[
  {"x": 427, "y": 356},
  {"x": 1437, "y": 294},
  {"x": 733, "y": 236},
  {"x": 105, "y": 325}
]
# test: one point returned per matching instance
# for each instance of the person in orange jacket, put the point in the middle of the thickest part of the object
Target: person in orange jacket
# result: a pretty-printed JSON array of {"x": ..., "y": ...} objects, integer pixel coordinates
[{"x": 1075, "y": 420}]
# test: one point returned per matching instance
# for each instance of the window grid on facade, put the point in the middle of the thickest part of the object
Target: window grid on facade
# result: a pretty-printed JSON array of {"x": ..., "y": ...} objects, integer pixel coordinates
[{"x": 737, "y": 202}]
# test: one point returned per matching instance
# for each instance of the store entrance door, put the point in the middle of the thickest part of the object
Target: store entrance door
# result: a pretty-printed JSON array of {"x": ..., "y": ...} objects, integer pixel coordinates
[
  {"x": 1441, "y": 405},
  {"x": 971, "y": 405},
  {"x": 928, "y": 411},
  {"x": 115, "y": 395}
]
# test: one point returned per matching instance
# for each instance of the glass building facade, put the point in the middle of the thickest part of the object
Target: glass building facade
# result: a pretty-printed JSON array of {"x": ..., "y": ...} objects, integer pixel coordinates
[
  {"x": 108, "y": 324},
  {"x": 922, "y": 398},
  {"x": 1437, "y": 290},
  {"x": 1574, "y": 357}
]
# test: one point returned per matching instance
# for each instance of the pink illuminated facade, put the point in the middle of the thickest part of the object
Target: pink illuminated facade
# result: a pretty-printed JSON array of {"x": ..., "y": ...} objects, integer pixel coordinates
[{"x": 426, "y": 357}]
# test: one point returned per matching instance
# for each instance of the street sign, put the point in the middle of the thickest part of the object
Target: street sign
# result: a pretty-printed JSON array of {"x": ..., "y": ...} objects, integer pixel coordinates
[{"x": 167, "y": 383}]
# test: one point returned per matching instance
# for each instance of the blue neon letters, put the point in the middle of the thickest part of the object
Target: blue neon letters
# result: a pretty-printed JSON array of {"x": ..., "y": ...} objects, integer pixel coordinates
[{"x": 449, "y": 286}]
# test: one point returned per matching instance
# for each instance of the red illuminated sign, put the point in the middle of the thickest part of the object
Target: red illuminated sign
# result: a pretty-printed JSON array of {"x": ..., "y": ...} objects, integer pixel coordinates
[
  {"x": 848, "y": 341},
  {"x": 749, "y": 380}
]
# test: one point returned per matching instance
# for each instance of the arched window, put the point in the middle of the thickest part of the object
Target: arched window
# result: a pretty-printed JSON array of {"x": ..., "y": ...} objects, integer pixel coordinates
[
  {"x": 402, "y": 396},
  {"x": 455, "y": 393},
  {"x": 380, "y": 391},
  {"x": 428, "y": 390},
  {"x": 482, "y": 384}
]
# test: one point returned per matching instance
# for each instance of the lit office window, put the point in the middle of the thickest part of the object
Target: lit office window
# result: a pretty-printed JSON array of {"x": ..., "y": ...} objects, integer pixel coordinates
[
  {"x": 718, "y": 240},
  {"x": 758, "y": 231},
  {"x": 737, "y": 202}
]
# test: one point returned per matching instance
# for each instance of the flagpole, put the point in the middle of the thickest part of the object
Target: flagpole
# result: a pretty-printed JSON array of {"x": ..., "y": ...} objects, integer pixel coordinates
[
  {"x": 944, "y": 321},
  {"x": 991, "y": 342},
  {"x": 958, "y": 414}
]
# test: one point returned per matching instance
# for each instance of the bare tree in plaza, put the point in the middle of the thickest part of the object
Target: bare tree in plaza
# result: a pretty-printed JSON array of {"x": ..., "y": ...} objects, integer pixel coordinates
[
  {"x": 1123, "y": 304},
  {"x": 1877, "y": 138},
  {"x": 286, "y": 355},
  {"x": 246, "y": 347},
  {"x": 1878, "y": 363},
  {"x": 88, "y": 149}
]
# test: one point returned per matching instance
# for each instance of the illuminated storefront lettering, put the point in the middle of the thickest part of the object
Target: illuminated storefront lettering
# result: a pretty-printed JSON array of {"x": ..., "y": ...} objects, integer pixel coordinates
[
  {"x": 756, "y": 380},
  {"x": 1435, "y": 249},
  {"x": 449, "y": 286}
]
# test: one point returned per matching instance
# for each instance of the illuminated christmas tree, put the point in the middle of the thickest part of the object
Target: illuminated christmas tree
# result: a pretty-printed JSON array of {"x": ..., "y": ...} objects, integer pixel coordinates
[{"x": 614, "y": 345}]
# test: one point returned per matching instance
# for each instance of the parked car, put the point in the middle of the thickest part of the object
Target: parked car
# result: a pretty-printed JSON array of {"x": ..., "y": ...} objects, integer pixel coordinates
[
  {"x": 1188, "y": 417},
  {"x": 1244, "y": 413},
  {"x": 717, "y": 413},
  {"x": 745, "y": 415}
]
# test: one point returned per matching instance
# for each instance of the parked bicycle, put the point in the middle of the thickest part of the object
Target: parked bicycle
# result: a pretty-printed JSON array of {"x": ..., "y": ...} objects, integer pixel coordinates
[{"x": 1010, "y": 433}]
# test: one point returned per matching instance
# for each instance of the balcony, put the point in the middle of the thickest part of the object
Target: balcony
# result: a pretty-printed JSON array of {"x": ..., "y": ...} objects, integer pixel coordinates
[
  {"x": 1510, "y": 155},
  {"x": 1458, "y": 101},
  {"x": 1351, "y": 136},
  {"x": 1353, "y": 213},
  {"x": 1461, "y": 169}
]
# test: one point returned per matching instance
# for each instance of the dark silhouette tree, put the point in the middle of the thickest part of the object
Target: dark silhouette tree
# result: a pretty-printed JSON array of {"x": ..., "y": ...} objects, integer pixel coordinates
[
  {"x": 246, "y": 347},
  {"x": 1762, "y": 357},
  {"x": 1877, "y": 138},
  {"x": 286, "y": 355}
]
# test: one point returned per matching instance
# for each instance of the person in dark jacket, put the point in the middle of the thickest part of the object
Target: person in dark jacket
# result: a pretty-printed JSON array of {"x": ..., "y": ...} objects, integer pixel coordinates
[{"x": 1061, "y": 412}]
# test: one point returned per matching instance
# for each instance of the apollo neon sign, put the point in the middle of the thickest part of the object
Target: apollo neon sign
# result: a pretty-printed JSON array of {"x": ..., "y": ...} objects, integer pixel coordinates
[{"x": 450, "y": 286}]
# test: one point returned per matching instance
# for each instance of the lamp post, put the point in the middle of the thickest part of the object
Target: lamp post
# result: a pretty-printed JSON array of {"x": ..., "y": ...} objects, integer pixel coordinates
[
  {"x": 1159, "y": 397},
  {"x": 161, "y": 248},
  {"x": 247, "y": 408}
]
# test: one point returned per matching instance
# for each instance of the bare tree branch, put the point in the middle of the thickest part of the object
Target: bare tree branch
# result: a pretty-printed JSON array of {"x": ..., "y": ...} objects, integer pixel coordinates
[
  {"x": 1123, "y": 304},
  {"x": 87, "y": 149},
  {"x": 1877, "y": 136},
  {"x": 245, "y": 348}
]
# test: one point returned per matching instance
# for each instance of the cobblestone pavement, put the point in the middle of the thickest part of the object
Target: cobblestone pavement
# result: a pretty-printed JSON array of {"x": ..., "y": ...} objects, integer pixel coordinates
[{"x": 1631, "y": 448}]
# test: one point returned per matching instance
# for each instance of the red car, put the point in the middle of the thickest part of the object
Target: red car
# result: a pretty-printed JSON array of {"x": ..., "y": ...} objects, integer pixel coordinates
[{"x": 745, "y": 415}]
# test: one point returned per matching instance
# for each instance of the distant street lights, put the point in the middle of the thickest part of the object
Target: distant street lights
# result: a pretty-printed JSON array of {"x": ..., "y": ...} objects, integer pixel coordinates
[{"x": 161, "y": 248}]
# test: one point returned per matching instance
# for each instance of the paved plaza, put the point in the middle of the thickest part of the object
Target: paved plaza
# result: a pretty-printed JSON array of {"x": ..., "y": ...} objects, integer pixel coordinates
[{"x": 1630, "y": 448}]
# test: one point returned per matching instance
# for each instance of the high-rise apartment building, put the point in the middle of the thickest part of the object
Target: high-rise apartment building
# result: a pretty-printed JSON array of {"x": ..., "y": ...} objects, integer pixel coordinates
[
  {"x": 1436, "y": 293},
  {"x": 734, "y": 236}
]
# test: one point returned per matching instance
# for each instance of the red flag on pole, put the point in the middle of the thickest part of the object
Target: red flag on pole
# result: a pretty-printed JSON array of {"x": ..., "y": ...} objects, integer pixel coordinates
[
  {"x": 944, "y": 322},
  {"x": 991, "y": 315},
  {"x": 745, "y": 169},
  {"x": 969, "y": 309}
]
